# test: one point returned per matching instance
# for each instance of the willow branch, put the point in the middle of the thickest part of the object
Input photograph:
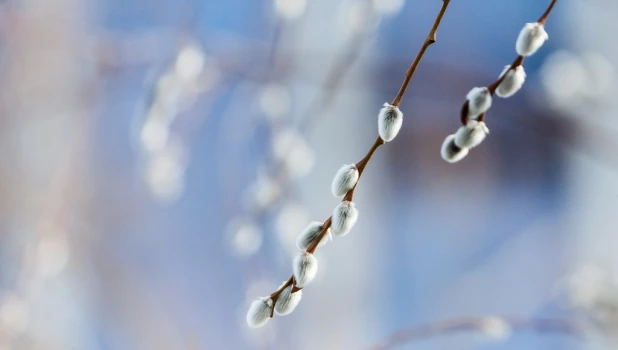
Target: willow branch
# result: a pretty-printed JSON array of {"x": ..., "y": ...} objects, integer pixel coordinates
[
  {"x": 361, "y": 165},
  {"x": 465, "y": 117},
  {"x": 331, "y": 87},
  {"x": 543, "y": 18},
  {"x": 478, "y": 324},
  {"x": 518, "y": 62},
  {"x": 431, "y": 38}
]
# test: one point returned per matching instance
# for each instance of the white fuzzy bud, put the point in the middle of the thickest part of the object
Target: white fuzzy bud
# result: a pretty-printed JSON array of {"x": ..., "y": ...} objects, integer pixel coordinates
[
  {"x": 451, "y": 152},
  {"x": 305, "y": 269},
  {"x": 345, "y": 216},
  {"x": 531, "y": 38},
  {"x": 514, "y": 80},
  {"x": 479, "y": 101},
  {"x": 287, "y": 301},
  {"x": 310, "y": 234},
  {"x": 344, "y": 180},
  {"x": 259, "y": 312},
  {"x": 390, "y": 120},
  {"x": 471, "y": 135}
]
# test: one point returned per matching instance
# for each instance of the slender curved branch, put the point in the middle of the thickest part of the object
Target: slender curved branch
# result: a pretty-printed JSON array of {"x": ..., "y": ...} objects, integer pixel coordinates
[
  {"x": 431, "y": 38},
  {"x": 479, "y": 324},
  {"x": 543, "y": 18}
]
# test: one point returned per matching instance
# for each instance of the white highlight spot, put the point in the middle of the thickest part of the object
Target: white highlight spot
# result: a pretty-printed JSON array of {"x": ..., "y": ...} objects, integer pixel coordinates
[
  {"x": 245, "y": 238},
  {"x": 290, "y": 9},
  {"x": 586, "y": 286},
  {"x": 190, "y": 62},
  {"x": 290, "y": 222},
  {"x": 275, "y": 101},
  {"x": 164, "y": 174},
  {"x": 388, "y": 7},
  {"x": 293, "y": 152},
  {"x": 264, "y": 192},
  {"x": 53, "y": 254},
  {"x": 563, "y": 76},
  {"x": 154, "y": 135},
  {"x": 495, "y": 328},
  {"x": 14, "y": 314}
]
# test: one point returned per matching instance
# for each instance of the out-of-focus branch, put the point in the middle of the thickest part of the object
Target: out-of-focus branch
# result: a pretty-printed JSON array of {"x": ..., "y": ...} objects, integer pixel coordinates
[
  {"x": 331, "y": 87},
  {"x": 491, "y": 326}
]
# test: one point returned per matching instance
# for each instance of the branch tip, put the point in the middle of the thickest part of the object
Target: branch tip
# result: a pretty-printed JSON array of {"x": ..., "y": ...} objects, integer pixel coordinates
[{"x": 431, "y": 38}]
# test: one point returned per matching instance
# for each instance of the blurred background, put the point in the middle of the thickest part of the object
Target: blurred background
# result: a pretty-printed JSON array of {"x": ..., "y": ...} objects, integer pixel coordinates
[{"x": 159, "y": 158}]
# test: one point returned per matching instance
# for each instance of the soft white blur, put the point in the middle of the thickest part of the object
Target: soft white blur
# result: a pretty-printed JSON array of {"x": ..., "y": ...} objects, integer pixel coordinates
[{"x": 158, "y": 160}]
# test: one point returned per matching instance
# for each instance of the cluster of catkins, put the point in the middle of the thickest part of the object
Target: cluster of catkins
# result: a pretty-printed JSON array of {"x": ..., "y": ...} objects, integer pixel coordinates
[
  {"x": 305, "y": 265},
  {"x": 478, "y": 100}
]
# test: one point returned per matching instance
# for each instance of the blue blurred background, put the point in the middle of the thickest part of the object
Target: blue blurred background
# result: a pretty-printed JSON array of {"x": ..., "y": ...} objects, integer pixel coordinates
[{"x": 158, "y": 159}]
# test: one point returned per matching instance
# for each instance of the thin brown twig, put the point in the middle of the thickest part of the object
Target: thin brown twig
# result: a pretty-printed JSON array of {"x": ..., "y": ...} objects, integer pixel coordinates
[
  {"x": 361, "y": 165},
  {"x": 477, "y": 324},
  {"x": 431, "y": 38},
  {"x": 465, "y": 117},
  {"x": 331, "y": 86},
  {"x": 518, "y": 62},
  {"x": 543, "y": 18}
]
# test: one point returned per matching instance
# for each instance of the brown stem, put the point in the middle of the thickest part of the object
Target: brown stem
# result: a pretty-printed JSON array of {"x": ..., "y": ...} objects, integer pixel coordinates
[
  {"x": 518, "y": 62},
  {"x": 492, "y": 90},
  {"x": 311, "y": 249},
  {"x": 361, "y": 167},
  {"x": 274, "y": 296},
  {"x": 431, "y": 38},
  {"x": 363, "y": 162},
  {"x": 543, "y": 18},
  {"x": 464, "y": 113}
]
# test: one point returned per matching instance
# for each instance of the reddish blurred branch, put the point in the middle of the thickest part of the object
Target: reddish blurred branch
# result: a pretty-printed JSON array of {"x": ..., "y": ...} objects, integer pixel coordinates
[{"x": 502, "y": 326}]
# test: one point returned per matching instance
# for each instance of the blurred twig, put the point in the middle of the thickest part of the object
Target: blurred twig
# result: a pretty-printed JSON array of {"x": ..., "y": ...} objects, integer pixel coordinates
[
  {"x": 481, "y": 324},
  {"x": 322, "y": 102},
  {"x": 331, "y": 87}
]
